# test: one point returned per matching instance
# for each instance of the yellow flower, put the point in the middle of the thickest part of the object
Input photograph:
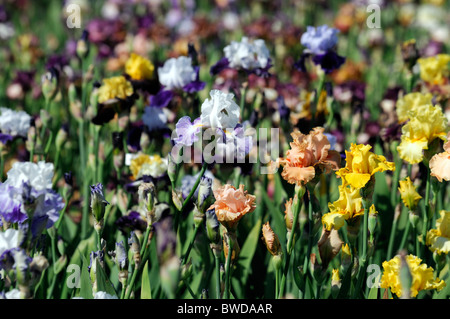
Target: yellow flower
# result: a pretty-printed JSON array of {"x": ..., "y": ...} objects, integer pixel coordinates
[
  {"x": 349, "y": 205},
  {"x": 426, "y": 123},
  {"x": 422, "y": 276},
  {"x": 361, "y": 165},
  {"x": 139, "y": 68},
  {"x": 335, "y": 279},
  {"x": 114, "y": 88},
  {"x": 439, "y": 239},
  {"x": 144, "y": 164},
  {"x": 411, "y": 102},
  {"x": 409, "y": 194},
  {"x": 434, "y": 69}
]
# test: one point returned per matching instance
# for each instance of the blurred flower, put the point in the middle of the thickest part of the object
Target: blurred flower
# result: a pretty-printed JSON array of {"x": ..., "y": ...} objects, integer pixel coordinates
[
  {"x": 139, "y": 68},
  {"x": 14, "y": 123},
  {"x": 188, "y": 182},
  {"x": 114, "y": 88},
  {"x": 176, "y": 73},
  {"x": 249, "y": 56},
  {"x": 319, "y": 40},
  {"x": 434, "y": 70},
  {"x": 154, "y": 118},
  {"x": 411, "y": 102},
  {"x": 425, "y": 124},
  {"x": 232, "y": 204},
  {"x": 9, "y": 240},
  {"x": 38, "y": 175},
  {"x": 152, "y": 165},
  {"x": 422, "y": 276},
  {"x": 187, "y": 132},
  {"x": 104, "y": 295},
  {"x": 439, "y": 238},
  {"x": 408, "y": 193},
  {"x": 320, "y": 43},
  {"x": 308, "y": 157},
  {"x": 440, "y": 163},
  {"x": 361, "y": 165},
  {"x": 220, "y": 111}
]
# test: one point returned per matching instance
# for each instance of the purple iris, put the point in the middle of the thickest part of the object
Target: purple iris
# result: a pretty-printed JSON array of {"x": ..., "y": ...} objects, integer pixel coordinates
[
  {"x": 320, "y": 43},
  {"x": 187, "y": 132},
  {"x": 10, "y": 204}
]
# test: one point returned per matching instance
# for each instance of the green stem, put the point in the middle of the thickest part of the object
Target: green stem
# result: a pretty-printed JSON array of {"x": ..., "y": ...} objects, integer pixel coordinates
[
  {"x": 191, "y": 244},
  {"x": 427, "y": 211},
  {"x": 197, "y": 182},
  {"x": 289, "y": 245},
  {"x": 405, "y": 236},
  {"x": 217, "y": 262},
  {"x": 391, "y": 239},
  {"x": 316, "y": 98},
  {"x": 228, "y": 269}
]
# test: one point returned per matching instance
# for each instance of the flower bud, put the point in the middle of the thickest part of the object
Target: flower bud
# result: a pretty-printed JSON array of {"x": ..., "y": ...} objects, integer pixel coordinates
[
  {"x": 172, "y": 169},
  {"x": 235, "y": 246},
  {"x": 135, "y": 248},
  {"x": 61, "y": 137},
  {"x": 329, "y": 246},
  {"x": 271, "y": 240},
  {"x": 204, "y": 198},
  {"x": 413, "y": 218},
  {"x": 212, "y": 226},
  {"x": 177, "y": 199},
  {"x": 336, "y": 282},
  {"x": 372, "y": 221},
  {"x": 83, "y": 45},
  {"x": 144, "y": 142},
  {"x": 346, "y": 258},
  {"x": 50, "y": 83},
  {"x": 98, "y": 202},
  {"x": 147, "y": 198}
]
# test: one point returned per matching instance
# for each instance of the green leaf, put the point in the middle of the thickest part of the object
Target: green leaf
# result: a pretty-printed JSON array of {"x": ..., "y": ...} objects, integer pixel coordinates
[
  {"x": 85, "y": 280},
  {"x": 346, "y": 284},
  {"x": 103, "y": 284},
  {"x": 146, "y": 290},
  {"x": 373, "y": 293},
  {"x": 246, "y": 256}
]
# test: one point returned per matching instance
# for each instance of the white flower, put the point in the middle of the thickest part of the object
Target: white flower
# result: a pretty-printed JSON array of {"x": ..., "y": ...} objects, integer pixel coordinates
[
  {"x": 220, "y": 111},
  {"x": 15, "y": 123},
  {"x": 247, "y": 55},
  {"x": 8, "y": 240},
  {"x": 13, "y": 294},
  {"x": 39, "y": 176},
  {"x": 176, "y": 73},
  {"x": 104, "y": 295}
]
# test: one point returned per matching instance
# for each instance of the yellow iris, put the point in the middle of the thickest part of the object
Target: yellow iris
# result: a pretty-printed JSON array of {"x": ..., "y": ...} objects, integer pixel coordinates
[
  {"x": 139, "y": 68},
  {"x": 114, "y": 87},
  {"x": 144, "y": 164},
  {"x": 409, "y": 194},
  {"x": 439, "y": 239},
  {"x": 426, "y": 123},
  {"x": 361, "y": 165},
  {"x": 410, "y": 102},
  {"x": 434, "y": 69},
  {"x": 422, "y": 276},
  {"x": 349, "y": 205}
]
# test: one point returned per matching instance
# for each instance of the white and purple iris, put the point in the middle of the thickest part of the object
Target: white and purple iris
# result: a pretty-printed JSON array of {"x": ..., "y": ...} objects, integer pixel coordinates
[
  {"x": 249, "y": 56},
  {"x": 320, "y": 43},
  {"x": 30, "y": 183},
  {"x": 177, "y": 74},
  {"x": 221, "y": 115},
  {"x": 13, "y": 124}
]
